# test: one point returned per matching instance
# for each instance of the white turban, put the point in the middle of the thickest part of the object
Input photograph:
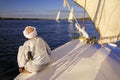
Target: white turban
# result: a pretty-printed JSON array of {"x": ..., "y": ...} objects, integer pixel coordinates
[{"x": 30, "y": 32}]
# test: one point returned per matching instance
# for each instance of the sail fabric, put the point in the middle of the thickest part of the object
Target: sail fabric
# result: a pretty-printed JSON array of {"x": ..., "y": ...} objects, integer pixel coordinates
[
  {"x": 65, "y": 3},
  {"x": 70, "y": 18},
  {"x": 58, "y": 16},
  {"x": 105, "y": 15}
]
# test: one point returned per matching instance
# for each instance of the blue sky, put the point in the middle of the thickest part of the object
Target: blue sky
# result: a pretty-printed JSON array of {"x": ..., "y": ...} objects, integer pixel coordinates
[{"x": 36, "y": 8}]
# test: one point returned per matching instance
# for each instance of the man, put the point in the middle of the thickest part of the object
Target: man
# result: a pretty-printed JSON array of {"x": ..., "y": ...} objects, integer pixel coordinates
[{"x": 33, "y": 55}]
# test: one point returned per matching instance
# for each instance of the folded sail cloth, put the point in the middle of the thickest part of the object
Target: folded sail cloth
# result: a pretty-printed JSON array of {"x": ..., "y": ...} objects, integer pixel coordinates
[
  {"x": 112, "y": 39},
  {"x": 81, "y": 30},
  {"x": 30, "y": 32}
]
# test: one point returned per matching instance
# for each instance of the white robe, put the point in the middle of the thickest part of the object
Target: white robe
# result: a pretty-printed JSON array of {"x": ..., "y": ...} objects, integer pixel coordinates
[{"x": 40, "y": 52}]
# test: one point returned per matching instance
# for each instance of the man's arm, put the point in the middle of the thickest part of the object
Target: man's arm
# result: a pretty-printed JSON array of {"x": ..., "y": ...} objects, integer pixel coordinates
[
  {"x": 48, "y": 49},
  {"x": 22, "y": 56}
]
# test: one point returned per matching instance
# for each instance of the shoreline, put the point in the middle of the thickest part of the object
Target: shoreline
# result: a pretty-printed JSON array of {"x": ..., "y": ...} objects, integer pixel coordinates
[{"x": 3, "y": 18}]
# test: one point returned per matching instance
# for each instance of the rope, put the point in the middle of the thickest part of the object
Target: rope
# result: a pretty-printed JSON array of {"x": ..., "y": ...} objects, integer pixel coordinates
[
  {"x": 83, "y": 24},
  {"x": 69, "y": 7}
]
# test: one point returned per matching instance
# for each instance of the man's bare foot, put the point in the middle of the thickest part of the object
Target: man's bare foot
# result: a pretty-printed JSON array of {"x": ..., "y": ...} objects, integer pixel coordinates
[{"x": 25, "y": 71}]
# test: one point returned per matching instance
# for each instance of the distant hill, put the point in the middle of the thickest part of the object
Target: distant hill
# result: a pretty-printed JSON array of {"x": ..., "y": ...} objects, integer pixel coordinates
[
  {"x": 84, "y": 18},
  {"x": 4, "y": 18}
]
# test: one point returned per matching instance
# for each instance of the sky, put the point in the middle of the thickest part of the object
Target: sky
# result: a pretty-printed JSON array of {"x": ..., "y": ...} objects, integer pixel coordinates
[{"x": 36, "y": 8}]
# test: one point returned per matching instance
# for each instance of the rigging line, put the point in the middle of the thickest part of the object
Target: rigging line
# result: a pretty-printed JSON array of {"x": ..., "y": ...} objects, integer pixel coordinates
[{"x": 83, "y": 24}]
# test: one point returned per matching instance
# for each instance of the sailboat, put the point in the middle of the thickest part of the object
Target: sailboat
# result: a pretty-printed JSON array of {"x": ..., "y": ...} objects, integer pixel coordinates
[
  {"x": 58, "y": 16},
  {"x": 77, "y": 60},
  {"x": 70, "y": 18}
]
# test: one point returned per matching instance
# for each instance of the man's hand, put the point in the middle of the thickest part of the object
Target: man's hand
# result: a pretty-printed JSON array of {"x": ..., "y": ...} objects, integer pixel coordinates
[{"x": 21, "y": 69}]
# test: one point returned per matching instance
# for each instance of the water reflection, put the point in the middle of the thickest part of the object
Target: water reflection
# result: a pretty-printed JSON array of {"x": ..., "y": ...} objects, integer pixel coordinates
[
  {"x": 58, "y": 28},
  {"x": 71, "y": 30}
]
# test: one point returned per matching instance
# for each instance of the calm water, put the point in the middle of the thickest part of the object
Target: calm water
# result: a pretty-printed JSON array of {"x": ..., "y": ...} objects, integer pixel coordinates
[{"x": 11, "y": 37}]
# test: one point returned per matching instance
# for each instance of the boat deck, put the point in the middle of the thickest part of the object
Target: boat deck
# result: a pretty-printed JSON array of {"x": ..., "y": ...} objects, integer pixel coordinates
[{"x": 78, "y": 61}]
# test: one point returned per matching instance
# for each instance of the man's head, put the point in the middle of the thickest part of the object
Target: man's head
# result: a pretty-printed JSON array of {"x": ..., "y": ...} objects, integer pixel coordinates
[{"x": 30, "y": 32}]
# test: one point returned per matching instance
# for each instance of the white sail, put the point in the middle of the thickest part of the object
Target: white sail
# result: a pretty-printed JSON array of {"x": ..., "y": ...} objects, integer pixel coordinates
[
  {"x": 105, "y": 14},
  {"x": 58, "y": 16},
  {"x": 65, "y": 3},
  {"x": 70, "y": 18}
]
